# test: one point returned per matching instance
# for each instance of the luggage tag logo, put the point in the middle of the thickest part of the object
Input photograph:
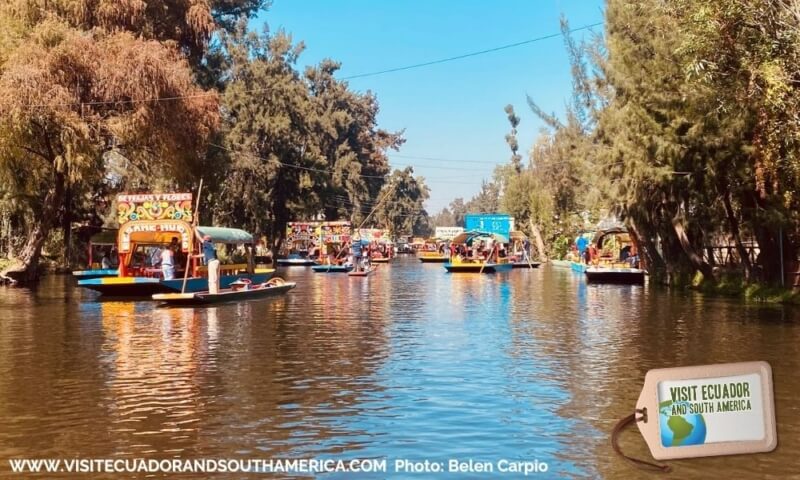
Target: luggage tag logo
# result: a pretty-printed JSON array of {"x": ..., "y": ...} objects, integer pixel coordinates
[{"x": 705, "y": 410}]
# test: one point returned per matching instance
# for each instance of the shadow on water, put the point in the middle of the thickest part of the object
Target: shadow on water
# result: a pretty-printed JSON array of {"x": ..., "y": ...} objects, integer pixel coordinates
[{"x": 409, "y": 362}]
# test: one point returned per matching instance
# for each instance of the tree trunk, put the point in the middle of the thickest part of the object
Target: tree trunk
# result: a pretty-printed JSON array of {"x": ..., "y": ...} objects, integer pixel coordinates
[
  {"x": 733, "y": 223},
  {"x": 537, "y": 237},
  {"x": 26, "y": 269},
  {"x": 66, "y": 226},
  {"x": 653, "y": 261},
  {"x": 688, "y": 249}
]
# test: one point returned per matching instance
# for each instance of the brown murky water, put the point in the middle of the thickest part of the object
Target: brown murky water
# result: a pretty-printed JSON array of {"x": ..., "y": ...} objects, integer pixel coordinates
[{"x": 408, "y": 363}]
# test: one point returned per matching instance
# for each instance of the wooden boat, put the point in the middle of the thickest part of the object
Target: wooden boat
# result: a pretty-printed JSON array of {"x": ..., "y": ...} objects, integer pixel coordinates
[
  {"x": 493, "y": 264},
  {"x": 95, "y": 273},
  {"x": 295, "y": 260},
  {"x": 561, "y": 263},
  {"x": 380, "y": 260},
  {"x": 100, "y": 244},
  {"x": 239, "y": 291},
  {"x": 361, "y": 273},
  {"x": 624, "y": 275},
  {"x": 520, "y": 257},
  {"x": 431, "y": 257},
  {"x": 524, "y": 264},
  {"x": 578, "y": 267},
  {"x": 147, "y": 224},
  {"x": 332, "y": 268},
  {"x": 611, "y": 266},
  {"x": 478, "y": 267}
]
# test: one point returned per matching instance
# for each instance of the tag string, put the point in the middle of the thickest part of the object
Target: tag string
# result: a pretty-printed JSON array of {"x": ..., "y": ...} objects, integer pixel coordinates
[{"x": 619, "y": 427}]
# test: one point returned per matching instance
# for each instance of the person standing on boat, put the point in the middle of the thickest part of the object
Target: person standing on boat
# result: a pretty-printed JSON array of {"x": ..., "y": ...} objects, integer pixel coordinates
[
  {"x": 211, "y": 261},
  {"x": 167, "y": 264},
  {"x": 105, "y": 262}
]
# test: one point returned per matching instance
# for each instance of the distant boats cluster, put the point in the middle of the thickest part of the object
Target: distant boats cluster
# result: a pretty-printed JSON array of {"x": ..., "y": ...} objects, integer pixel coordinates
[{"x": 160, "y": 252}]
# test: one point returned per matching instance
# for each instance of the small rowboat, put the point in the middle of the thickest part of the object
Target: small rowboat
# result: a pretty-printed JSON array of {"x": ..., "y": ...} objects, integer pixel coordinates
[
  {"x": 478, "y": 267},
  {"x": 332, "y": 268},
  {"x": 523, "y": 264},
  {"x": 561, "y": 263},
  {"x": 241, "y": 290},
  {"x": 361, "y": 273},
  {"x": 380, "y": 260},
  {"x": 295, "y": 262}
]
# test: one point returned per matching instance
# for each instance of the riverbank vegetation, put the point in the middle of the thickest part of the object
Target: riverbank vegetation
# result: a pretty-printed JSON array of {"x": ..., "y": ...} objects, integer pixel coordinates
[
  {"x": 685, "y": 124},
  {"x": 99, "y": 97}
]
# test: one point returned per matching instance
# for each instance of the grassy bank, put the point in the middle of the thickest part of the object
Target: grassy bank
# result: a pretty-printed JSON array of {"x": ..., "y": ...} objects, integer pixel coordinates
[{"x": 736, "y": 286}]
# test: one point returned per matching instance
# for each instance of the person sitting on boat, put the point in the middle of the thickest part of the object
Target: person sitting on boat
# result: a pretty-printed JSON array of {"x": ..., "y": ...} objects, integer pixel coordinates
[
  {"x": 105, "y": 262},
  {"x": 167, "y": 264}
]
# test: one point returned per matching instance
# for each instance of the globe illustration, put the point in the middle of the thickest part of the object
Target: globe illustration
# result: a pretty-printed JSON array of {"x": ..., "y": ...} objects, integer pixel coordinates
[{"x": 680, "y": 430}]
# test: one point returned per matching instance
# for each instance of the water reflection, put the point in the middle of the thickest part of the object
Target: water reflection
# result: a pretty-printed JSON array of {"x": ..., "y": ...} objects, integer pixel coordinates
[{"x": 409, "y": 362}]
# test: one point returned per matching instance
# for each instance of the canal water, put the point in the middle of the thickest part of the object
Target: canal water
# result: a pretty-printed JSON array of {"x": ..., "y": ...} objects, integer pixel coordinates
[{"x": 409, "y": 363}]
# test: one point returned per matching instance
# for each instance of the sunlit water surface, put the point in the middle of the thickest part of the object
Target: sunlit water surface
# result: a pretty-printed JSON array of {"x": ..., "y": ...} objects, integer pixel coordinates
[{"x": 410, "y": 362}]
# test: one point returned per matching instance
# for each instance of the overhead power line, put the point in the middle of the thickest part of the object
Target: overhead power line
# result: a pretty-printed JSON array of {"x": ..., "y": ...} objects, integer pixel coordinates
[
  {"x": 360, "y": 75},
  {"x": 471, "y": 54}
]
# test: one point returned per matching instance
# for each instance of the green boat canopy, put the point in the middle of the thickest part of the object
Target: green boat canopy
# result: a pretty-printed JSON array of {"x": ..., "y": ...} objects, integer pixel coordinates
[{"x": 224, "y": 235}]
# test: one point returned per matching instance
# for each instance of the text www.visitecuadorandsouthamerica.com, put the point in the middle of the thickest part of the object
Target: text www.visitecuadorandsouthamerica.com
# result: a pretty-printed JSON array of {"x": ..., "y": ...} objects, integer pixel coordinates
[{"x": 255, "y": 465}]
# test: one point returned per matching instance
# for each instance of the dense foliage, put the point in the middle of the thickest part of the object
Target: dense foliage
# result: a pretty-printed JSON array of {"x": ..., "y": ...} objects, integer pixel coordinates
[
  {"x": 685, "y": 123},
  {"x": 103, "y": 96}
]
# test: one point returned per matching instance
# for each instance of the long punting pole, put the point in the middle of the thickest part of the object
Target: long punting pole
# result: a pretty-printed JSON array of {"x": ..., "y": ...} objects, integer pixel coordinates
[
  {"x": 527, "y": 257},
  {"x": 194, "y": 224},
  {"x": 370, "y": 214}
]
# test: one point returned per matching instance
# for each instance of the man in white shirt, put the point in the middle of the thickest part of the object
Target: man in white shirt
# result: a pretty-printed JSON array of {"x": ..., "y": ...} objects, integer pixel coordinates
[{"x": 167, "y": 264}]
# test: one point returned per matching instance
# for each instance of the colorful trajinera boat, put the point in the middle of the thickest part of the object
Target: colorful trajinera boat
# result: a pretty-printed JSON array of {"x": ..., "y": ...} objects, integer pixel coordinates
[
  {"x": 101, "y": 245},
  {"x": 378, "y": 243},
  {"x": 430, "y": 252},
  {"x": 332, "y": 268},
  {"x": 617, "y": 261},
  {"x": 520, "y": 251},
  {"x": 492, "y": 264},
  {"x": 238, "y": 290},
  {"x": 301, "y": 242},
  {"x": 615, "y": 274},
  {"x": 150, "y": 223}
]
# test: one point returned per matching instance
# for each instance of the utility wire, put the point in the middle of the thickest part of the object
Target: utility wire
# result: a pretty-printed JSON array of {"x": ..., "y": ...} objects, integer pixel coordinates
[
  {"x": 467, "y": 55},
  {"x": 289, "y": 165},
  {"x": 360, "y": 75}
]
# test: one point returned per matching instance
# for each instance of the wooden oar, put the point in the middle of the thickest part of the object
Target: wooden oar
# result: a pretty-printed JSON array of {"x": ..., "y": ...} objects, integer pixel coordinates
[{"x": 194, "y": 224}]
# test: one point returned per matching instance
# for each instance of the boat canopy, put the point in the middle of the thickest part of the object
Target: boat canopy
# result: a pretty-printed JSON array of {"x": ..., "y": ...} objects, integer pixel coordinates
[
  {"x": 466, "y": 237},
  {"x": 598, "y": 237},
  {"x": 224, "y": 235},
  {"x": 517, "y": 236}
]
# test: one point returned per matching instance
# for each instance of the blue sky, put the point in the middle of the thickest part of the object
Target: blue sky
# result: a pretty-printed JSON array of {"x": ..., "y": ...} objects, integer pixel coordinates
[{"x": 454, "y": 110}]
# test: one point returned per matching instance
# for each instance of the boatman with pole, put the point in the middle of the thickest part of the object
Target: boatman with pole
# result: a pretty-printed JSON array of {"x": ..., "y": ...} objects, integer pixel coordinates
[{"x": 211, "y": 261}]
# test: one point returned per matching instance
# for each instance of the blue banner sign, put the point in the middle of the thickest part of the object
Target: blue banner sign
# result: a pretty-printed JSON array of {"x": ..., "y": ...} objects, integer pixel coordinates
[{"x": 489, "y": 222}]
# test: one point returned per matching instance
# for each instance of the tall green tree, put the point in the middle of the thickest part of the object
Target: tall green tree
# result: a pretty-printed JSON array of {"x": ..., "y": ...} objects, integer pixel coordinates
[
  {"x": 67, "y": 95},
  {"x": 401, "y": 205}
]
